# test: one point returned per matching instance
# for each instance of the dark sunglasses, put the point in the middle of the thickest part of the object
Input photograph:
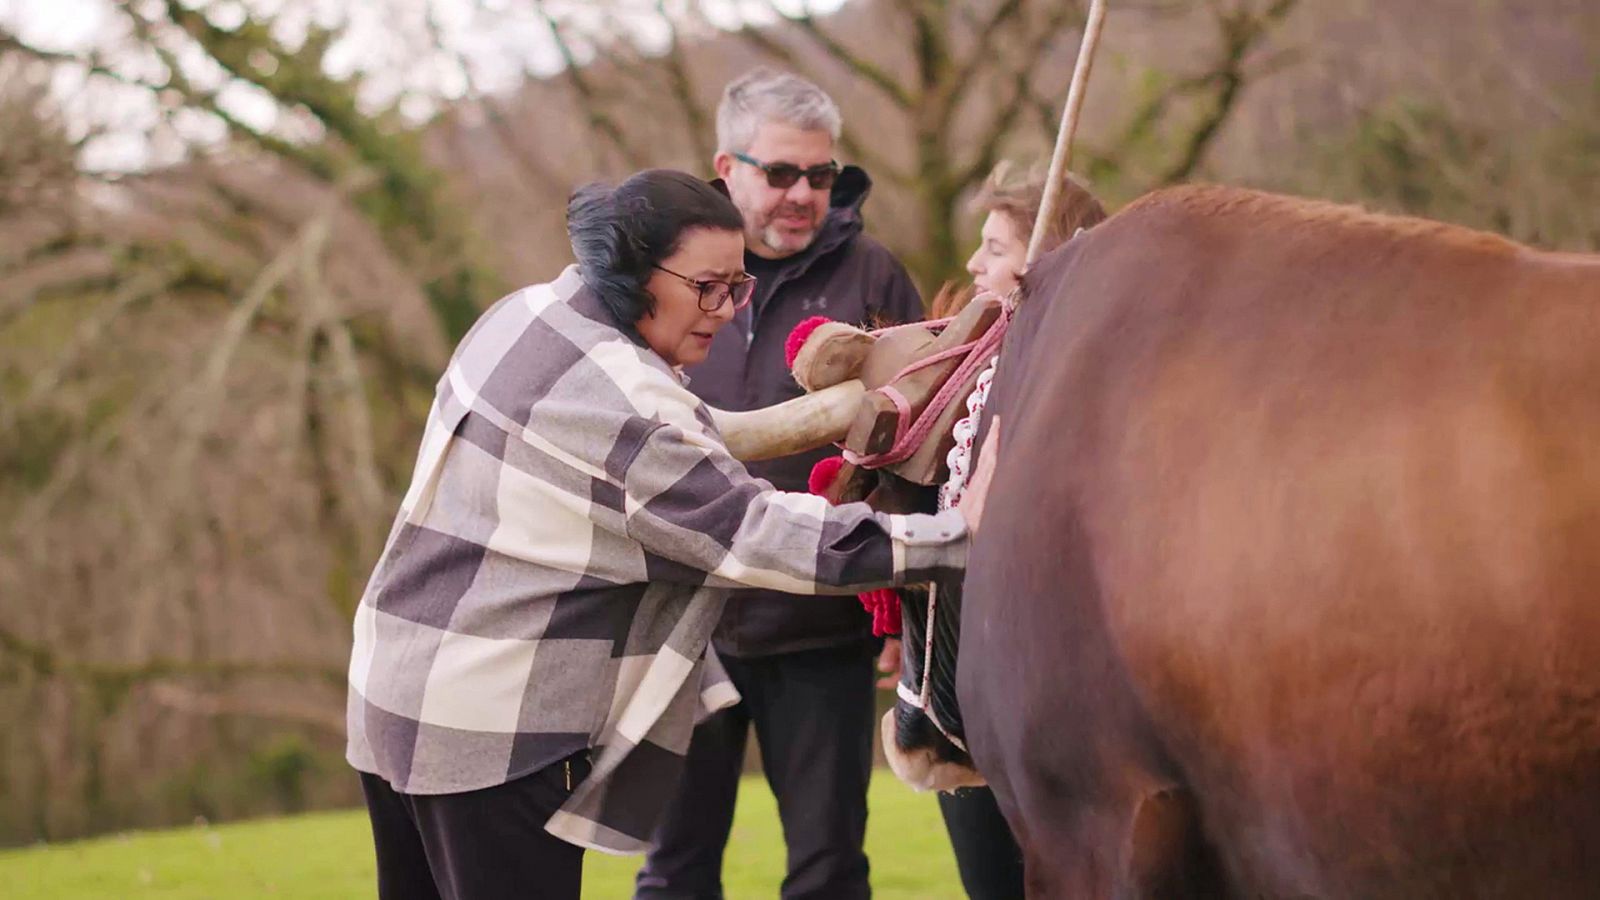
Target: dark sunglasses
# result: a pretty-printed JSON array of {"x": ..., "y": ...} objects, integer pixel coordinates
[
  {"x": 783, "y": 175},
  {"x": 713, "y": 293}
]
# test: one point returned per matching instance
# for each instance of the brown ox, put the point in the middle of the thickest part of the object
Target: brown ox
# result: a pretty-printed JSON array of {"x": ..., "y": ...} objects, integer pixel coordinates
[{"x": 1289, "y": 584}]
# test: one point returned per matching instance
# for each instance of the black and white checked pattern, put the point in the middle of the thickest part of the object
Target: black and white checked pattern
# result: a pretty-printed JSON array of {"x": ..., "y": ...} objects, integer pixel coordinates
[{"x": 571, "y": 532}]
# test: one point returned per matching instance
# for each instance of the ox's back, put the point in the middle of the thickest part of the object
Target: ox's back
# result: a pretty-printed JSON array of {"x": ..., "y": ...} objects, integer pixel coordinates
[{"x": 1310, "y": 501}]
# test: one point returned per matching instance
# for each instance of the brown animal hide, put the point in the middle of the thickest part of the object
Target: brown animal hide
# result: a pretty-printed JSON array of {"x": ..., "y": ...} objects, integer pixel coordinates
[{"x": 1291, "y": 561}]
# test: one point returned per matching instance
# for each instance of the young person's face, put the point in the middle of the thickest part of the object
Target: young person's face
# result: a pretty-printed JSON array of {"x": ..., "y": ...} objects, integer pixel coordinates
[
  {"x": 778, "y": 222},
  {"x": 996, "y": 267},
  {"x": 678, "y": 329}
]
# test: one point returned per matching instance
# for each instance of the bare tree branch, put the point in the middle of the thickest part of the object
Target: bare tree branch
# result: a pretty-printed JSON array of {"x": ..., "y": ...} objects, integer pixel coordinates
[
  {"x": 682, "y": 87},
  {"x": 363, "y": 504},
  {"x": 317, "y": 159},
  {"x": 767, "y": 45},
  {"x": 409, "y": 202},
  {"x": 89, "y": 334},
  {"x": 1241, "y": 33},
  {"x": 199, "y": 403},
  {"x": 91, "y": 62},
  {"x": 1241, "y": 30},
  {"x": 982, "y": 52},
  {"x": 1006, "y": 116},
  {"x": 299, "y": 79},
  {"x": 589, "y": 100},
  {"x": 1144, "y": 120},
  {"x": 876, "y": 75},
  {"x": 929, "y": 47},
  {"x": 526, "y": 163}
]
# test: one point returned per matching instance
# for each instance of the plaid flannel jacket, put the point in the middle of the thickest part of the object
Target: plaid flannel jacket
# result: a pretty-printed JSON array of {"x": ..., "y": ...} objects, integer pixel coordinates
[{"x": 572, "y": 529}]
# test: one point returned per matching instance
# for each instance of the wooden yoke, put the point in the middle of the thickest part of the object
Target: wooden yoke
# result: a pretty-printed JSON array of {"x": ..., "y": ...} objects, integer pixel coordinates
[
  {"x": 824, "y": 353},
  {"x": 879, "y": 419}
]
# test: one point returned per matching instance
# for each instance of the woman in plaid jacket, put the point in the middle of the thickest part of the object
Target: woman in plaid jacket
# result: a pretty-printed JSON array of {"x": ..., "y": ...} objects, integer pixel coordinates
[{"x": 531, "y": 651}]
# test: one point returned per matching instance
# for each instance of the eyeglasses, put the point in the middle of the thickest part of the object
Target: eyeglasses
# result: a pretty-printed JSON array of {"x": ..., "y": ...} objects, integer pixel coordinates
[
  {"x": 714, "y": 293},
  {"x": 783, "y": 175}
]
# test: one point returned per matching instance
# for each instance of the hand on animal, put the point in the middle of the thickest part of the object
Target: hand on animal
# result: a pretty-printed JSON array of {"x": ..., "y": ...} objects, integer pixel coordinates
[
  {"x": 889, "y": 664},
  {"x": 977, "y": 492}
]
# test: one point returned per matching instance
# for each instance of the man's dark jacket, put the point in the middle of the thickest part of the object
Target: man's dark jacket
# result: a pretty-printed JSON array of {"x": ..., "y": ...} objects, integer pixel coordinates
[{"x": 843, "y": 275}]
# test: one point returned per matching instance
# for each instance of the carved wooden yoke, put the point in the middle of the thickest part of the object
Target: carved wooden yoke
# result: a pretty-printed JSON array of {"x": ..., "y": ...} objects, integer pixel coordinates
[{"x": 904, "y": 370}]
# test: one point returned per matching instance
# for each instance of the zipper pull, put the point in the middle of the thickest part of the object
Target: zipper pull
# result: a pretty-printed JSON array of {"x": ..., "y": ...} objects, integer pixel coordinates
[{"x": 567, "y": 765}]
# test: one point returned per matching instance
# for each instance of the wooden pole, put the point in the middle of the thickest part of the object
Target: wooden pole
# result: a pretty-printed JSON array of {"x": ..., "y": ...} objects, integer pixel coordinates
[{"x": 1069, "y": 124}]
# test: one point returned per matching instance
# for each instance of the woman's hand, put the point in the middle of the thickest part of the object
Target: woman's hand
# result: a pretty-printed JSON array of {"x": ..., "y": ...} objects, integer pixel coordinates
[
  {"x": 889, "y": 664},
  {"x": 977, "y": 492}
]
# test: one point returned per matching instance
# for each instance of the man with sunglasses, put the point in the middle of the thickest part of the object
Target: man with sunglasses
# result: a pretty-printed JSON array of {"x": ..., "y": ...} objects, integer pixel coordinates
[{"x": 803, "y": 665}]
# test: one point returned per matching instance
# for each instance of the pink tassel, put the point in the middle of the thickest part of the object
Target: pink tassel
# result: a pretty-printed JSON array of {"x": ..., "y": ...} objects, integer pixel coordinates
[
  {"x": 797, "y": 338},
  {"x": 884, "y": 605},
  {"x": 824, "y": 473}
]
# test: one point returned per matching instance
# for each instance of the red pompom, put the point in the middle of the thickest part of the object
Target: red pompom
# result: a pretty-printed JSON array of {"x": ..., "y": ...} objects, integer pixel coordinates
[
  {"x": 797, "y": 338},
  {"x": 884, "y": 605},
  {"x": 824, "y": 473}
]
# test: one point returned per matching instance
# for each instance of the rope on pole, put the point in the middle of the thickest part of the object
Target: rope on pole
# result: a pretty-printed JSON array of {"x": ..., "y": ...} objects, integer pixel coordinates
[{"x": 1069, "y": 124}]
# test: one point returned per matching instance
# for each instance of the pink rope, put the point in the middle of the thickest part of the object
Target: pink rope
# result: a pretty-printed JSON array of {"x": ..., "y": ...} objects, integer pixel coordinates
[
  {"x": 903, "y": 406},
  {"x": 908, "y": 439}
]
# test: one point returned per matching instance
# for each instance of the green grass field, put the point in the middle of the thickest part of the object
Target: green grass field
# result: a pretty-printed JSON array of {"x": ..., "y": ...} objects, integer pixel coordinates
[{"x": 329, "y": 855}]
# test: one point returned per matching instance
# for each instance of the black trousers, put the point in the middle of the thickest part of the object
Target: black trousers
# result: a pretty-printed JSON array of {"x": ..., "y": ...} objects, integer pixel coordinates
[
  {"x": 987, "y": 854},
  {"x": 813, "y": 714},
  {"x": 478, "y": 845}
]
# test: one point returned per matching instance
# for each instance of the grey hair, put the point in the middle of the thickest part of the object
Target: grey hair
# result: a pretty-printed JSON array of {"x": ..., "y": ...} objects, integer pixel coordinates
[{"x": 768, "y": 95}]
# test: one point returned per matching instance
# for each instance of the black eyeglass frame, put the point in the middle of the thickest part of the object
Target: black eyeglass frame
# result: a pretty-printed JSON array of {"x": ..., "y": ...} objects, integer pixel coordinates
[
  {"x": 745, "y": 285},
  {"x": 783, "y": 175}
]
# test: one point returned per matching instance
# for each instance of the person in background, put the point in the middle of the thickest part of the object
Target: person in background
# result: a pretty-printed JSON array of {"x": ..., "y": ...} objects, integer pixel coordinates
[
  {"x": 986, "y": 853},
  {"x": 805, "y": 670},
  {"x": 1009, "y": 202},
  {"x": 530, "y": 652}
]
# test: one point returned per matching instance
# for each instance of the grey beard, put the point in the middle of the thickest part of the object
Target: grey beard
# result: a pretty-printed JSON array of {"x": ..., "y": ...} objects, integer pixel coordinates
[{"x": 786, "y": 242}]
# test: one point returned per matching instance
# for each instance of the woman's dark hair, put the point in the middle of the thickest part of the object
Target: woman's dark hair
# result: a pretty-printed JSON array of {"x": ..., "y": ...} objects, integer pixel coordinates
[{"x": 619, "y": 233}]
